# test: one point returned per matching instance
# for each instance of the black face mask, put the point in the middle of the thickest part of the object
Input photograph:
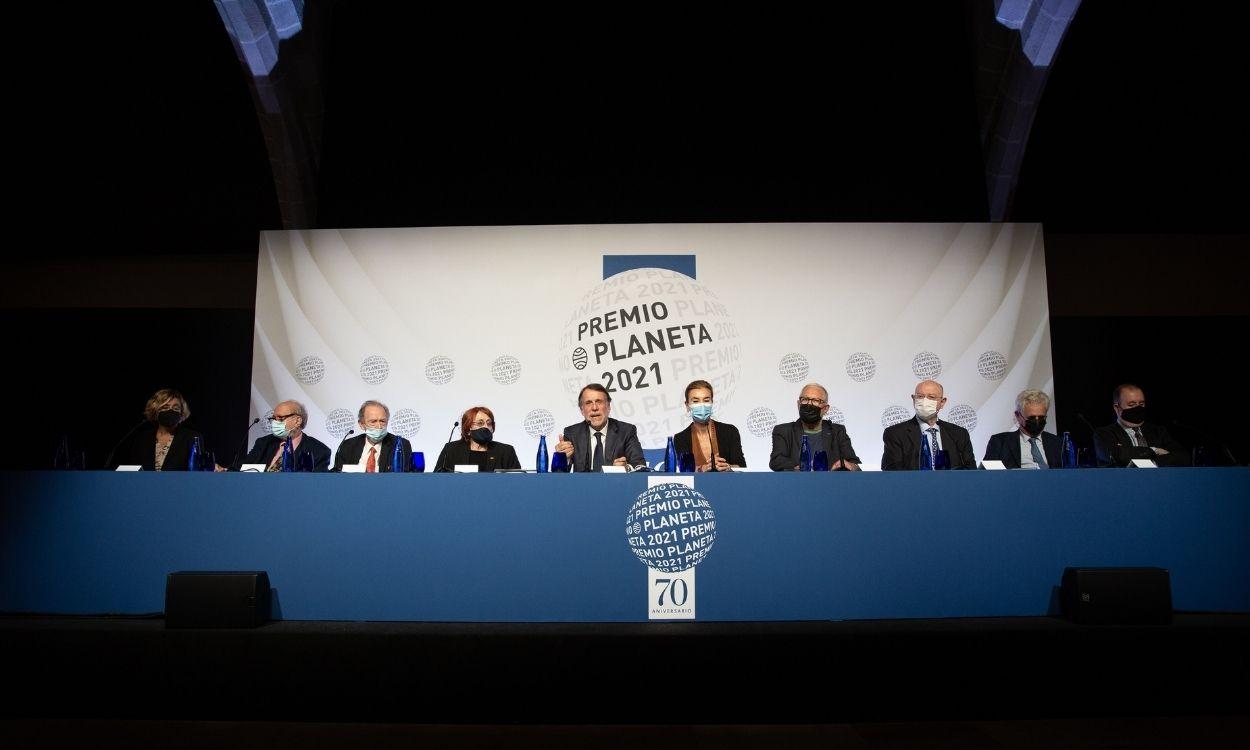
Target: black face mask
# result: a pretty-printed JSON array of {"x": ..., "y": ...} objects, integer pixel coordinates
[
  {"x": 1136, "y": 415},
  {"x": 482, "y": 436},
  {"x": 168, "y": 419},
  {"x": 1034, "y": 425},
  {"x": 809, "y": 413}
]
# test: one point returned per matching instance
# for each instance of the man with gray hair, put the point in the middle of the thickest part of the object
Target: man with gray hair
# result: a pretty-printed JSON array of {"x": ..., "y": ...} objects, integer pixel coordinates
[
  {"x": 286, "y": 424},
  {"x": 1028, "y": 446},
  {"x": 372, "y": 451}
]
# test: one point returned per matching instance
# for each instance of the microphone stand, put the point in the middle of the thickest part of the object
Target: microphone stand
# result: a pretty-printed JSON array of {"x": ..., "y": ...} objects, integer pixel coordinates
[
  {"x": 442, "y": 463},
  {"x": 108, "y": 462},
  {"x": 234, "y": 462},
  {"x": 346, "y": 435}
]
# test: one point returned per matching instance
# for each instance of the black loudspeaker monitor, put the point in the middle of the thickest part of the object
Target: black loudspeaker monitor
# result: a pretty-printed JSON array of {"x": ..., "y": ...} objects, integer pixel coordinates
[
  {"x": 1117, "y": 596},
  {"x": 204, "y": 599}
]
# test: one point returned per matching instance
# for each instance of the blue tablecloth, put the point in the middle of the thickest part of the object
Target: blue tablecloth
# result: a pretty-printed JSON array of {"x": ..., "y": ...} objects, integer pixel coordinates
[{"x": 553, "y": 547}]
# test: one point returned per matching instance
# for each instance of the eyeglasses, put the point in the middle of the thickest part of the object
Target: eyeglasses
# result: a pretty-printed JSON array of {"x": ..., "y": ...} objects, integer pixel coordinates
[
  {"x": 482, "y": 423},
  {"x": 281, "y": 417},
  {"x": 812, "y": 401}
]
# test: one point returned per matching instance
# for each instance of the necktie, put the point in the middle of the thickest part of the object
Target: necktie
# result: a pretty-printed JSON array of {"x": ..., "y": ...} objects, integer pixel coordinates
[
  {"x": 933, "y": 443},
  {"x": 598, "y": 459},
  {"x": 1139, "y": 439},
  {"x": 1038, "y": 458},
  {"x": 371, "y": 466}
]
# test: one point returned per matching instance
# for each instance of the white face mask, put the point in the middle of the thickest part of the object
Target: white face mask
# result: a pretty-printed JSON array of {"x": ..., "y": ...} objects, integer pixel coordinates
[{"x": 926, "y": 408}]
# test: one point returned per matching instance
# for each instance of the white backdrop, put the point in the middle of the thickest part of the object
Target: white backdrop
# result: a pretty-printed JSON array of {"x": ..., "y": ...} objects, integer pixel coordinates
[{"x": 433, "y": 321}]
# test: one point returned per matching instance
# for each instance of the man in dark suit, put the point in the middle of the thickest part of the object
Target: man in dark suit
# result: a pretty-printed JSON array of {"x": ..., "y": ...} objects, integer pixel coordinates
[
  {"x": 600, "y": 441},
  {"x": 902, "y": 441},
  {"x": 371, "y": 452},
  {"x": 822, "y": 435},
  {"x": 1131, "y": 436},
  {"x": 1028, "y": 447},
  {"x": 287, "y": 422}
]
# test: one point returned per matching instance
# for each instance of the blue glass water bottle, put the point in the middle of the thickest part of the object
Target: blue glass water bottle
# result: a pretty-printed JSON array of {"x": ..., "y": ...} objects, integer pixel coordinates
[
  {"x": 670, "y": 457},
  {"x": 288, "y": 456},
  {"x": 397, "y": 456},
  {"x": 193, "y": 461},
  {"x": 1068, "y": 452},
  {"x": 540, "y": 462},
  {"x": 926, "y": 455},
  {"x": 805, "y": 456}
]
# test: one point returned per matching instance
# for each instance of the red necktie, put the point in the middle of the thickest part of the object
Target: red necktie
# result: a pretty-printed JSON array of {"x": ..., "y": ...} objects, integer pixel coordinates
[{"x": 372, "y": 465}]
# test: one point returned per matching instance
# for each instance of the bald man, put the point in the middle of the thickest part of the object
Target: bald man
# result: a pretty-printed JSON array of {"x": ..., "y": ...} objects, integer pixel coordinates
[
  {"x": 287, "y": 422},
  {"x": 902, "y": 441},
  {"x": 822, "y": 435}
]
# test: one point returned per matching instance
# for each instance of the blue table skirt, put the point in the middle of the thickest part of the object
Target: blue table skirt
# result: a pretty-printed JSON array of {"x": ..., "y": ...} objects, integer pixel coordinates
[{"x": 529, "y": 548}]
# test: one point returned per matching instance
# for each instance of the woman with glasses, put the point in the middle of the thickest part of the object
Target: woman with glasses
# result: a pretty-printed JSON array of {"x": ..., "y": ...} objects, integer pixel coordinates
[
  {"x": 161, "y": 442},
  {"x": 477, "y": 445}
]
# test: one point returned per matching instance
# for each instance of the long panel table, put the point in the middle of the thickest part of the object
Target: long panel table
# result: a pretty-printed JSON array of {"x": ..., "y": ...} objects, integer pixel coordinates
[{"x": 552, "y": 548}]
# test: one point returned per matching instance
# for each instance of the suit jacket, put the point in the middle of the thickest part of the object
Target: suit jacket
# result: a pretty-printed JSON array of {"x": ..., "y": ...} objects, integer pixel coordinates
[
  {"x": 728, "y": 442},
  {"x": 140, "y": 449},
  {"x": 1005, "y": 447},
  {"x": 267, "y": 445},
  {"x": 352, "y": 449},
  {"x": 902, "y": 446},
  {"x": 620, "y": 438},
  {"x": 498, "y": 456},
  {"x": 788, "y": 444},
  {"x": 1113, "y": 445}
]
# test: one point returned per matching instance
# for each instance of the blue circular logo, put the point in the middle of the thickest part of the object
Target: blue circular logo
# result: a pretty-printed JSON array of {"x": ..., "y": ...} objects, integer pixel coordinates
[{"x": 671, "y": 527}]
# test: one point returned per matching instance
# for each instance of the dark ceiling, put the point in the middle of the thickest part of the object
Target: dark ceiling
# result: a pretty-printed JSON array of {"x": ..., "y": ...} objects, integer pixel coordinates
[{"x": 147, "y": 123}]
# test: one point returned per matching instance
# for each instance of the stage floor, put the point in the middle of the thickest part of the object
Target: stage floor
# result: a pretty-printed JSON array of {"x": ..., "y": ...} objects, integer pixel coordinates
[{"x": 642, "y": 674}]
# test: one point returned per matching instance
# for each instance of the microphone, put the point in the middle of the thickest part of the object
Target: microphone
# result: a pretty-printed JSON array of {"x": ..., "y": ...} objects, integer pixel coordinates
[
  {"x": 235, "y": 461},
  {"x": 1086, "y": 421},
  {"x": 108, "y": 462},
  {"x": 346, "y": 435},
  {"x": 445, "y": 456}
]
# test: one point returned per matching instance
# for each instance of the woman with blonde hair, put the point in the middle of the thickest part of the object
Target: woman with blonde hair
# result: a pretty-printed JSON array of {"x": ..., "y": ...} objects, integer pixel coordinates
[{"x": 161, "y": 442}]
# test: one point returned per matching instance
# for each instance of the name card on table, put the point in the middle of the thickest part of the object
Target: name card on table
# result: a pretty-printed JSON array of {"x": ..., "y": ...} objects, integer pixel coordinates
[
  {"x": 129, "y": 467},
  {"x": 1144, "y": 463},
  {"x": 466, "y": 468},
  {"x": 353, "y": 469},
  {"x": 253, "y": 468},
  {"x": 614, "y": 470},
  {"x": 992, "y": 464}
]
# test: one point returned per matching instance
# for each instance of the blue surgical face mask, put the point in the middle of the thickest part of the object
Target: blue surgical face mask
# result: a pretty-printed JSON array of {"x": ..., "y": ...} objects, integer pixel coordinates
[
  {"x": 376, "y": 433},
  {"x": 277, "y": 427},
  {"x": 701, "y": 412}
]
